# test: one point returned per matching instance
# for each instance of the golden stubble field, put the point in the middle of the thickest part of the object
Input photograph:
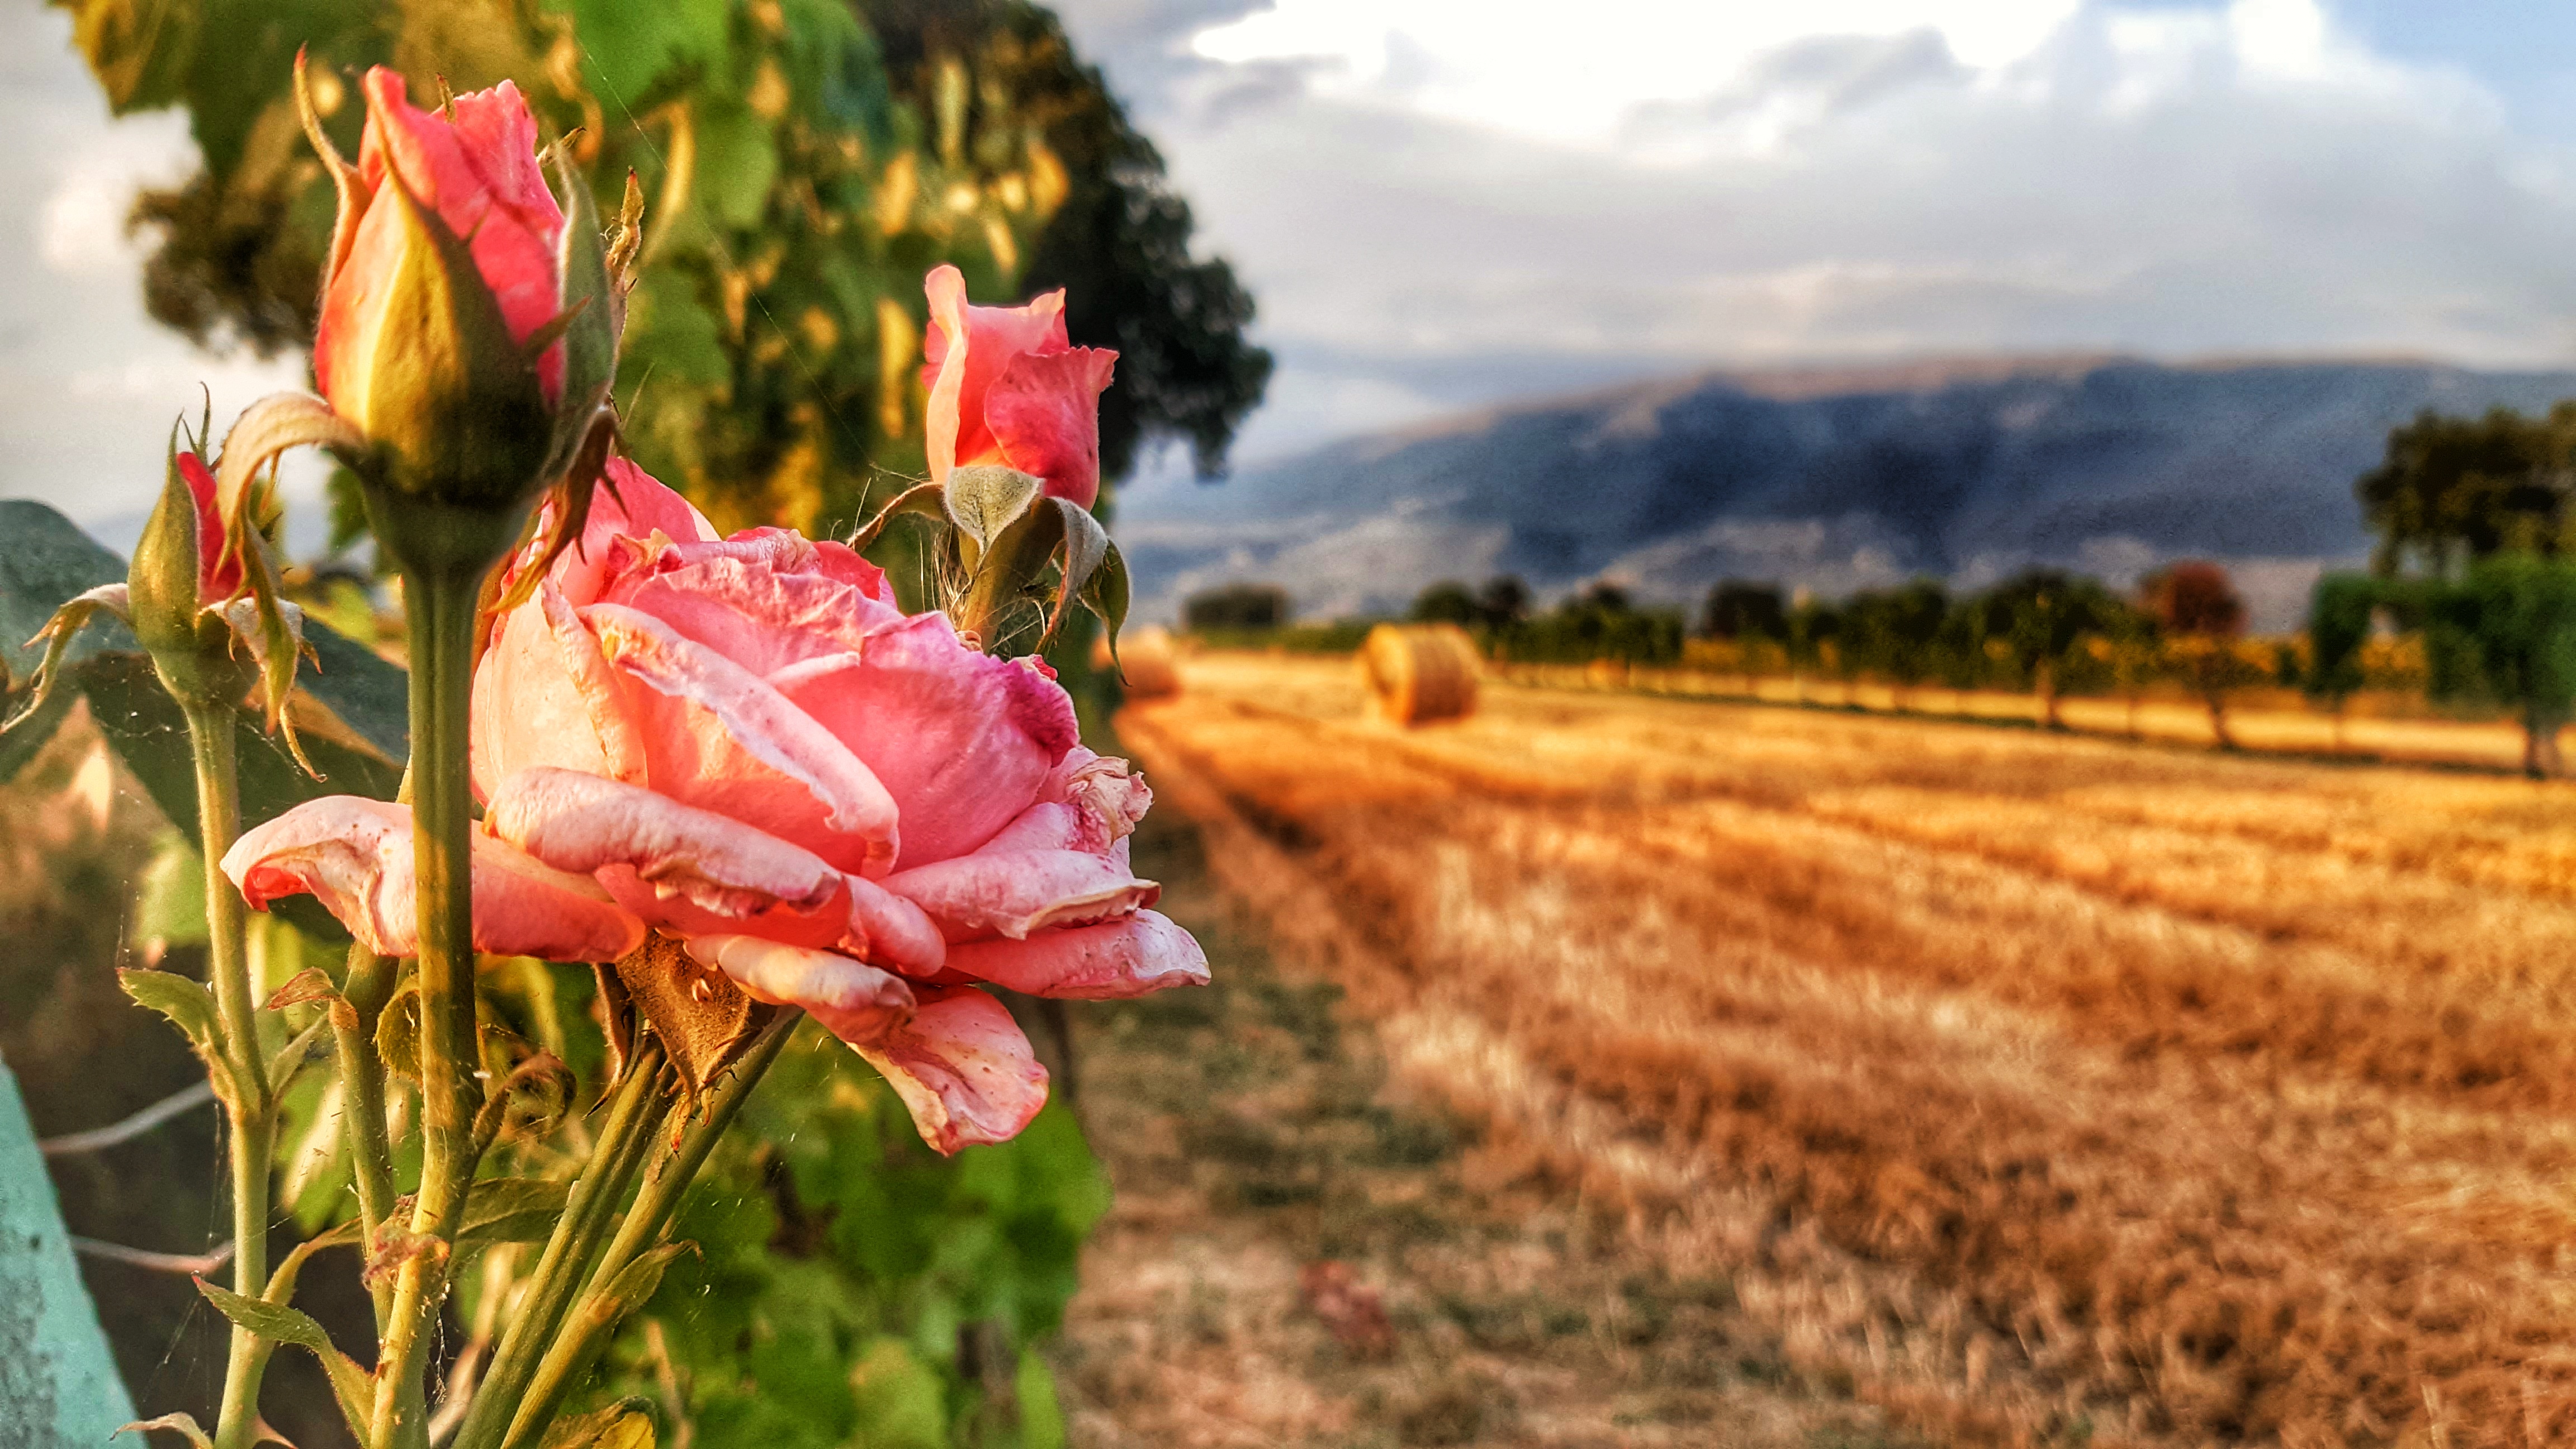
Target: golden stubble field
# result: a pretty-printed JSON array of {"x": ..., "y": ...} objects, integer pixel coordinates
[{"x": 2046, "y": 1089}]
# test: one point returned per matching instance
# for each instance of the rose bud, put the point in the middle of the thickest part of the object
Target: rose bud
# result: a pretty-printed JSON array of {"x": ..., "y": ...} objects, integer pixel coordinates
[
  {"x": 466, "y": 341},
  {"x": 1008, "y": 389}
]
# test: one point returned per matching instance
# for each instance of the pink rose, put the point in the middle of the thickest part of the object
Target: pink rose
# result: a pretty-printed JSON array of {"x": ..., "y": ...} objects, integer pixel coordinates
[
  {"x": 478, "y": 173},
  {"x": 1007, "y": 387},
  {"x": 745, "y": 744}
]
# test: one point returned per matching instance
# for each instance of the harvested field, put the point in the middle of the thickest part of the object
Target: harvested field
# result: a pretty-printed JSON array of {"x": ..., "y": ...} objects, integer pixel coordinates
[{"x": 2039, "y": 1088}]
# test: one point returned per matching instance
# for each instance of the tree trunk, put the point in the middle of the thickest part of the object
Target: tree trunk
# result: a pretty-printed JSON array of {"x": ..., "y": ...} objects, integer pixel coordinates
[
  {"x": 2540, "y": 756},
  {"x": 2218, "y": 719},
  {"x": 2046, "y": 681}
]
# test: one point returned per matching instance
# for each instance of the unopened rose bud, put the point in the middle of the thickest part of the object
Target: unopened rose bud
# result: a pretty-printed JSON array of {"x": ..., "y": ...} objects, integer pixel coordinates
[
  {"x": 1007, "y": 387},
  {"x": 465, "y": 331}
]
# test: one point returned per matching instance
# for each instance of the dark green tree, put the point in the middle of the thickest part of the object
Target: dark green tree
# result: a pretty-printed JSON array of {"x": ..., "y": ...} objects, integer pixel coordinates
[
  {"x": 1741, "y": 609},
  {"x": 1236, "y": 606},
  {"x": 1892, "y": 632},
  {"x": 2340, "y": 611},
  {"x": 2452, "y": 490},
  {"x": 2039, "y": 622},
  {"x": 1446, "y": 602}
]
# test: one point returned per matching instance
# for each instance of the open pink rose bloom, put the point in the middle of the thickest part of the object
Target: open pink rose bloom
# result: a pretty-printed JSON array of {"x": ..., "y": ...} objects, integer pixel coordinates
[
  {"x": 1008, "y": 387},
  {"x": 745, "y": 744}
]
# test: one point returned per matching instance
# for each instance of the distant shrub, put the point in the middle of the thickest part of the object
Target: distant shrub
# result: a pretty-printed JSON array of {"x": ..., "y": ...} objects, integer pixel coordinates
[{"x": 1236, "y": 606}]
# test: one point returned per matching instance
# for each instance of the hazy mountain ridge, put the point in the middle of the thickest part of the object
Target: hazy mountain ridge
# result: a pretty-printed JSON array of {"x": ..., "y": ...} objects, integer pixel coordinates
[{"x": 1830, "y": 478}]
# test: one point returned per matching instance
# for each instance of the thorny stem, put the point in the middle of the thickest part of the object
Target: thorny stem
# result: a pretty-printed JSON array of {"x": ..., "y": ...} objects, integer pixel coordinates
[
  {"x": 367, "y": 985},
  {"x": 441, "y": 625},
  {"x": 248, "y": 1103},
  {"x": 568, "y": 1357},
  {"x": 634, "y": 1117}
]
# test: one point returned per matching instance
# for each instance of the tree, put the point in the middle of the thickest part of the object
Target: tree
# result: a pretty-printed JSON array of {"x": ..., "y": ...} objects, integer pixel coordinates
[
  {"x": 2041, "y": 619},
  {"x": 1503, "y": 602},
  {"x": 1893, "y": 631},
  {"x": 1447, "y": 602},
  {"x": 1737, "y": 609},
  {"x": 2340, "y": 611},
  {"x": 1236, "y": 606},
  {"x": 2452, "y": 490},
  {"x": 2517, "y": 612},
  {"x": 1815, "y": 643},
  {"x": 2201, "y": 617}
]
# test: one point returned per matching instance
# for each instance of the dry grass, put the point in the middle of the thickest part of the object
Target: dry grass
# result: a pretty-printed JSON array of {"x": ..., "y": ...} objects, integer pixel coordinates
[{"x": 2046, "y": 1087}]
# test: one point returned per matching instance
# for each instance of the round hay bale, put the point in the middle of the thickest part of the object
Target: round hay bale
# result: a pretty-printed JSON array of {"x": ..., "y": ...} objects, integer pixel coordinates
[
  {"x": 1148, "y": 661},
  {"x": 1418, "y": 673}
]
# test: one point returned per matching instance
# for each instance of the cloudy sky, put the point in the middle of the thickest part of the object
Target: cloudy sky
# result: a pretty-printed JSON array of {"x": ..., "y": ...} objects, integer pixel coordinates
[{"x": 1440, "y": 203}]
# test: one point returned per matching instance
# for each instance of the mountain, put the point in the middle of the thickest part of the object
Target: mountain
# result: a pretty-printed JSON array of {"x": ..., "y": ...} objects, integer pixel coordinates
[{"x": 1831, "y": 479}]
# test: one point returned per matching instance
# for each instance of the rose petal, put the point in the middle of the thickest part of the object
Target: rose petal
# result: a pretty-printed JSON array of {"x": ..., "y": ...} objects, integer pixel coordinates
[
  {"x": 892, "y": 931},
  {"x": 854, "y": 1001},
  {"x": 1019, "y": 893},
  {"x": 960, "y": 740},
  {"x": 1044, "y": 414},
  {"x": 722, "y": 738},
  {"x": 628, "y": 504},
  {"x": 218, "y": 577},
  {"x": 962, "y": 1066},
  {"x": 1108, "y": 962},
  {"x": 355, "y": 855},
  {"x": 1110, "y": 796},
  {"x": 545, "y": 695},
  {"x": 480, "y": 176},
  {"x": 729, "y": 870},
  {"x": 968, "y": 347},
  {"x": 751, "y": 610}
]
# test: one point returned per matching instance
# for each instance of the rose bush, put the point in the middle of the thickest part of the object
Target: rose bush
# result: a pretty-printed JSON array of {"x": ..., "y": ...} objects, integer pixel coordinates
[
  {"x": 746, "y": 746},
  {"x": 1007, "y": 387}
]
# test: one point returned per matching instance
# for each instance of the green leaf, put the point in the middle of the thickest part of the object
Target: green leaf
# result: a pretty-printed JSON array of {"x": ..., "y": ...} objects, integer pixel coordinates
[
  {"x": 682, "y": 340},
  {"x": 139, "y": 50},
  {"x": 512, "y": 1210},
  {"x": 737, "y": 162},
  {"x": 1054, "y": 531},
  {"x": 170, "y": 907},
  {"x": 986, "y": 498},
  {"x": 1105, "y": 594},
  {"x": 278, "y": 1323},
  {"x": 188, "y": 1005},
  {"x": 630, "y": 45},
  {"x": 590, "y": 338},
  {"x": 45, "y": 563},
  {"x": 902, "y": 1404},
  {"x": 1041, "y": 1415},
  {"x": 398, "y": 1031},
  {"x": 144, "y": 726}
]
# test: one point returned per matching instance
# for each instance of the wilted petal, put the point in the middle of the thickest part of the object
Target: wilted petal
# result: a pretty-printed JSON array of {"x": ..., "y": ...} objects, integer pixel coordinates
[
  {"x": 355, "y": 855},
  {"x": 544, "y": 695},
  {"x": 720, "y": 737},
  {"x": 1019, "y": 893},
  {"x": 960, "y": 740},
  {"x": 1110, "y": 797},
  {"x": 1116, "y": 959},
  {"x": 963, "y": 1067},
  {"x": 854, "y": 1001}
]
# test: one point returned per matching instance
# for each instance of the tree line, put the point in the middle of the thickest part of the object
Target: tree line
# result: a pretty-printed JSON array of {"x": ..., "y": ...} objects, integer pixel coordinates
[{"x": 2469, "y": 599}]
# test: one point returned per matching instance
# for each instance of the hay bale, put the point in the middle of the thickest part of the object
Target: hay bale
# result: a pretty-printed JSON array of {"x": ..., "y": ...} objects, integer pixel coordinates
[
  {"x": 1148, "y": 661},
  {"x": 1417, "y": 673}
]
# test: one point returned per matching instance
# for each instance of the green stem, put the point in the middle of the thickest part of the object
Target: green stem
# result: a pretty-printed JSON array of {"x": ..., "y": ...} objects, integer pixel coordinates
[
  {"x": 253, "y": 1114},
  {"x": 570, "y": 1355},
  {"x": 634, "y": 1118},
  {"x": 366, "y": 986},
  {"x": 440, "y": 607}
]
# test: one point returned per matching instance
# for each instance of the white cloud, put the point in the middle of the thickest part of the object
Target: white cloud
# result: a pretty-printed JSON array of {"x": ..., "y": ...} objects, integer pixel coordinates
[{"x": 1407, "y": 184}]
